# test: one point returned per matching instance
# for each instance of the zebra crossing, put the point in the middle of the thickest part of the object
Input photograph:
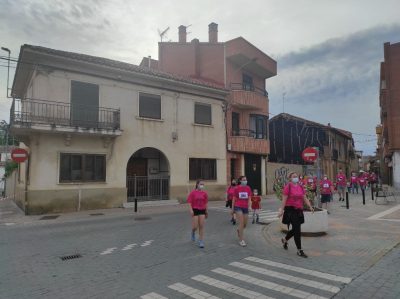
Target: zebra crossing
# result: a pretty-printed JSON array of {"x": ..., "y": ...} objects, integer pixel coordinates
[
  {"x": 254, "y": 277},
  {"x": 265, "y": 216}
]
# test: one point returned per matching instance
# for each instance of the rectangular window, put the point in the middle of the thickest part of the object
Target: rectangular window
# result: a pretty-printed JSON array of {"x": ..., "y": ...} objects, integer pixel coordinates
[
  {"x": 258, "y": 126},
  {"x": 202, "y": 169},
  {"x": 202, "y": 114},
  {"x": 149, "y": 105},
  {"x": 235, "y": 124},
  {"x": 82, "y": 168},
  {"x": 247, "y": 82},
  {"x": 84, "y": 104}
]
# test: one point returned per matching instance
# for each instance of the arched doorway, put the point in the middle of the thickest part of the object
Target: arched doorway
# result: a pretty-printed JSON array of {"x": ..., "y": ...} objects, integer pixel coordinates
[{"x": 147, "y": 175}]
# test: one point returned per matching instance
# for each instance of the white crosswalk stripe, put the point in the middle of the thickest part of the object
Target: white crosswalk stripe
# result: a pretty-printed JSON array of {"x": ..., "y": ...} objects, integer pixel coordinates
[
  {"x": 108, "y": 250},
  {"x": 129, "y": 246},
  {"x": 191, "y": 292},
  {"x": 307, "y": 282},
  {"x": 300, "y": 270},
  {"x": 255, "y": 274},
  {"x": 229, "y": 287},
  {"x": 153, "y": 296}
]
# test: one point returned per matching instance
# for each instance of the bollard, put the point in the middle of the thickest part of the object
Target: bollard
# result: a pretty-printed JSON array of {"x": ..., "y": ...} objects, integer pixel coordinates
[
  {"x": 363, "y": 195},
  {"x": 372, "y": 191},
  {"x": 347, "y": 200},
  {"x": 135, "y": 204}
]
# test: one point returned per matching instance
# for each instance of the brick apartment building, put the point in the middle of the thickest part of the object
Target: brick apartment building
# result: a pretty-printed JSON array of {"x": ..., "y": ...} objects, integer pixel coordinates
[
  {"x": 241, "y": 68},
  {"x": 389, "y": 129}
]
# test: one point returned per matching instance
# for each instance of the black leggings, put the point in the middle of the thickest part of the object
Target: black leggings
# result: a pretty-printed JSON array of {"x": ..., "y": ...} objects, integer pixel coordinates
[{"x": 296, "y": 232}]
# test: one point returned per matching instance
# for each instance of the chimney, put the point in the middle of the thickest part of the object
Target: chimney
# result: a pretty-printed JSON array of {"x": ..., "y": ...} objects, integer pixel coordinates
[
  {"x": 182, "y": 34},
  {"x": 213, "y": 33}
]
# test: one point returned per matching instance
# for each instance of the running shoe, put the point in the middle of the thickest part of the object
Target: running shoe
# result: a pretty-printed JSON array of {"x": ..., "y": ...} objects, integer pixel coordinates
[
  {"x": 301, "y": 253},
  {"x": 242, "y": 243},
  {"x": 284, "y": 243},
  {"x": 193, "y": 236},
  {"x": 201, "y": 243}
]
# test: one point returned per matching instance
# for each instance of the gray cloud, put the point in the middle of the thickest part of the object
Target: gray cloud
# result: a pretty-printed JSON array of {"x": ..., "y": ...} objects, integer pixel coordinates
[{"x": 336, "y": 81}]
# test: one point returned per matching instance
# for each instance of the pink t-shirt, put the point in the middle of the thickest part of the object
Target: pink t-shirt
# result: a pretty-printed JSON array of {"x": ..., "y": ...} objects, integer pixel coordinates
[
  {"x": 230, "y": 192},
  {"x": 242, "y": 196},
  {"x": 354, "y": 179},
  {"x": 295, "y": 198},
  {"x": 341, "y": 179},
  {"x": 362, "y": 181},
  {"x": 198, "y": 199},
  {"x": 326, "y": 187}
]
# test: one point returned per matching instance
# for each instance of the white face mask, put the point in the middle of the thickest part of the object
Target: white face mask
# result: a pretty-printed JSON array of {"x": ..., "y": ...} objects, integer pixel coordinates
[
  {"x": 201, "y": 187},
  {"x": 244, "y": 183},
  {"x": 255, "y": 193},
  {"x": 325, "y": 178},
  {"x": 295, "y": 180}
]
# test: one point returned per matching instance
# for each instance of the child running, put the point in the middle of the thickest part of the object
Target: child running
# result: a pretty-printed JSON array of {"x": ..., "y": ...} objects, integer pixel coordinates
[
  {"x": 255, "y": 206},
  {"x": 229, "y": 197},
  {"x": 198, "y": 200}
]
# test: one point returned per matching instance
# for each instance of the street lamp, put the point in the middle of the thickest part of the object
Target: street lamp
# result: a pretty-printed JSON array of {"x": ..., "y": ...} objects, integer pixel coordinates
[{"x": 8, "y": 68}]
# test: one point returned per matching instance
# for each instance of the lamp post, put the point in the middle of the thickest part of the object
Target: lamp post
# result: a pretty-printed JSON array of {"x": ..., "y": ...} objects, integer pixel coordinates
[{"x": 8, "y": 68}]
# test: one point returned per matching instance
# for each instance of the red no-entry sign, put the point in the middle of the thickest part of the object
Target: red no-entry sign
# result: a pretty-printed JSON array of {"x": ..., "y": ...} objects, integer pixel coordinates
[
  {"x": 309, "y": 154},
  {"x": 19, "y": 155}
]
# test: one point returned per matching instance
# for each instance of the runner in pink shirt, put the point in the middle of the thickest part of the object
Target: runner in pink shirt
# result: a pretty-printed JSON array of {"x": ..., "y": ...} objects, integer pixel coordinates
[
  {"x": 354, "y": 182},
  {"x": 362, "y": 181},
  {"x": 241, "y": 200},
  {"x": 198, "y": 200},
  {"x": 326, "y": 192},
  {"x": 293, "y": 200},
  {"x": 341, "y": 184}
]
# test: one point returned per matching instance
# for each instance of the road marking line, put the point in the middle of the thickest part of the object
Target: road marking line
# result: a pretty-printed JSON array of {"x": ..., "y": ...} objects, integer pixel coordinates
[
  {"x": 153, "y": 296},
  {"x": 266, "y": 284},
  {"x": 191, "y": 292},
  {"x": 108, "y": 250},
  {"x": 303, "y": 281},
  {"x": 146, "y": 243},
  {"x": 301, "y": 270},
  {"x": 384, "y": 213},
  {"x": 9, "y": 223},
  {"x": 229, "y": 287},
  {"x": 129, "y": 247}
]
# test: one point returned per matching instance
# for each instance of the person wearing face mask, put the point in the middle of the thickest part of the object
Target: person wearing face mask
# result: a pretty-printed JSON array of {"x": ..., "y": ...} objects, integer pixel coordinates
[
  {"x": 229, "y": 198},
  {"x": 354, "y": 183},
  {"x": 327, "y": 189},
  {"x": 293, "y": 199},
  {"x": 198, "y": 200},
  {"x": 241, "y": 200},
  {"x": 255, "y": 206}
]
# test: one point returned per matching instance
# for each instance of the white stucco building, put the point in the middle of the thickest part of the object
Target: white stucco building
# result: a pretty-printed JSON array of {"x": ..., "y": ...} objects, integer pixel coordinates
[{"x": 100, "y": 132}]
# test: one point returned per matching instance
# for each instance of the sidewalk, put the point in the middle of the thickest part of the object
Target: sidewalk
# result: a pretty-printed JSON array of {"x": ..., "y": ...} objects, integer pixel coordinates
[{"x": 353, "y": 246}]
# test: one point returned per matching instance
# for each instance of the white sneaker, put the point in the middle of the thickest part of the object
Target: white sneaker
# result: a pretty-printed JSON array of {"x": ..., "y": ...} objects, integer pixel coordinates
[{"x": 242, "y": 243}]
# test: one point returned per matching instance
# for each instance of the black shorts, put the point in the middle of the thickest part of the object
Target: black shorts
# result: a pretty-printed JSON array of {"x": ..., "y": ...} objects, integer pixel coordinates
[
  {"x": 228, "y": 204},
  {"x": 325, "y": 198},
  {"x": 197, "y": 212}
]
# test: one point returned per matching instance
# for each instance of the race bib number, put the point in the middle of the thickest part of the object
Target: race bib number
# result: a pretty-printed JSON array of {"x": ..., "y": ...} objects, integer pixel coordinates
[
  {"x": 340, "y": 179},
  {"x": 325, "y": 185},
  {"x": 310, "y": 180},
  {"x": 243, "y": 195}
]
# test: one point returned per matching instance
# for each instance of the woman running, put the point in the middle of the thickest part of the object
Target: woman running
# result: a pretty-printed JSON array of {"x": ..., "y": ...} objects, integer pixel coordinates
[
  {"x": 198, "y": 200},
  {"x": 241, "y": 200},
  {"x": 229, "y": 198}
]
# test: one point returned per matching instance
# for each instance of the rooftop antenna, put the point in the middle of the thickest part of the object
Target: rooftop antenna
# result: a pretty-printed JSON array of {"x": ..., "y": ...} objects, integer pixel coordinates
[{"x": 162, "y": 33}]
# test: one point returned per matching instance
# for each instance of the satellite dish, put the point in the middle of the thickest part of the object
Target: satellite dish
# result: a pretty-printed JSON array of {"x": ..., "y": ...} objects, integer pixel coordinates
[{"x": 162, "y": 33}]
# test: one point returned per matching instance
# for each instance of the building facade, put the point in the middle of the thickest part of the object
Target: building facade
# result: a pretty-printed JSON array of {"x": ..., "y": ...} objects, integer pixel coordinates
[
  {"x": 101, "y": 132},
  {"x": 290, "y": 135},
  {"x": 240, "y": 67},
  {"x": 388, "y": 131}
]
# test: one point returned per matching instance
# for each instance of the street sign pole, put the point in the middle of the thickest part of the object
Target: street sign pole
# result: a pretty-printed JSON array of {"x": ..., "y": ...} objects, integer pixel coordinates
[{"x": 318, "y": 178}]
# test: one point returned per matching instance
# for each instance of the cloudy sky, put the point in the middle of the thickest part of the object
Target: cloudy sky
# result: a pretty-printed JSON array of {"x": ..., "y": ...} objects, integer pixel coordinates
[{"x": 328, "y": 52}]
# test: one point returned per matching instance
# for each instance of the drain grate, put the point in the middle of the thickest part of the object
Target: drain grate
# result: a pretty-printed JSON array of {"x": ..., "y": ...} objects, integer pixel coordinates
[
  {"x": 96, "y": 214},
  {"x": 142, "y": 218},
  {"x": 70, "y": 257},
  {"x": 49, "y": 217}
]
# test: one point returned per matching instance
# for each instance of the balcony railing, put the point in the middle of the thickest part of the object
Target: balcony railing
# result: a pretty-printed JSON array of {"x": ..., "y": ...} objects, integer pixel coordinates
[
  {"x": 249, "y": 133},
  {"x": 248, "y": 87},
  {"x": 32, "y": 111}
]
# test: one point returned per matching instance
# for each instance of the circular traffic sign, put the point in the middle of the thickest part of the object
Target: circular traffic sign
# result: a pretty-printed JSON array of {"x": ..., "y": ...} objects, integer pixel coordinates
[
  {"x": 309, "y": 154},
  {"x": 19, "y": 155}
]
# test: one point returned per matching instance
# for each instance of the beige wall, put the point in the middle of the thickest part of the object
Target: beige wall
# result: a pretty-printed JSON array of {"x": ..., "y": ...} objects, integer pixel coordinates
[
  {"x": 274, "y": 169},
  {"x": 177, "y": 113}
]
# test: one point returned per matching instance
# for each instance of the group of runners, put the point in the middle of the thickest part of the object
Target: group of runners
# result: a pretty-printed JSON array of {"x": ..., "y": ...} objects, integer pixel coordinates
[{"x": 238, "y": 197}]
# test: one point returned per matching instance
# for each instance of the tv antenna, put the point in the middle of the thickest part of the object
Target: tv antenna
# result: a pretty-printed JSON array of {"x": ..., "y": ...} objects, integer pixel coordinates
[{"x": 162, "y": 33}]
